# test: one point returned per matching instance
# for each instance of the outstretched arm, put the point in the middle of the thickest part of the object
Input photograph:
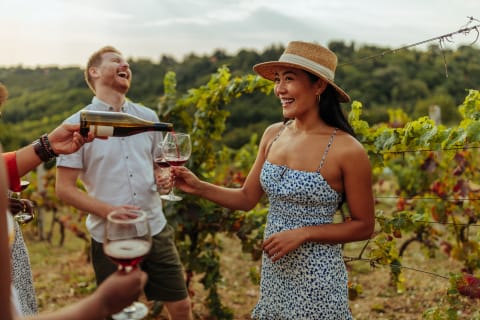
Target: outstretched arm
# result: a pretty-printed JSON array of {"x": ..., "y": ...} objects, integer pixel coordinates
[
  {"x": 115, "y": 293},
  {"x": 243, "y": 198},
  {"x": 64, "y": 139}
]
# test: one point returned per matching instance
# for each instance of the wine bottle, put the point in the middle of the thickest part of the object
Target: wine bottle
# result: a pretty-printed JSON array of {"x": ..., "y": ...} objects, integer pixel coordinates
[{"x": 117, "y": 124}]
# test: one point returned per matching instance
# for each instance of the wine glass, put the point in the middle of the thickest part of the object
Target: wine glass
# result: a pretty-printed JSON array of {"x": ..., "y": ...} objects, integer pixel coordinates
[
  {"x": 127, "y": 242},
  {"x": 23, "y": 210},
  {"x": 161, "y": 166},
  {"x": 176, "y": 150}
]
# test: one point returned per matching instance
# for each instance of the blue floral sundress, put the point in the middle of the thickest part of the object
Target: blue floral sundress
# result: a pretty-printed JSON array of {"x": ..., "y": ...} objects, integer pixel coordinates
[{"x": 311, "y": 281}]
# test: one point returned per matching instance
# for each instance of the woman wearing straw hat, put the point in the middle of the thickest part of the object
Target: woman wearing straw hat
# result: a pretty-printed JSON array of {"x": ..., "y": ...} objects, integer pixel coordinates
[{"x": 307, "y": 166}]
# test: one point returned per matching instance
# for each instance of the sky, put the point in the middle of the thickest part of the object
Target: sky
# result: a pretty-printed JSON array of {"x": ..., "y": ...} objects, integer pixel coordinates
[{"x": 65, "y": 32}]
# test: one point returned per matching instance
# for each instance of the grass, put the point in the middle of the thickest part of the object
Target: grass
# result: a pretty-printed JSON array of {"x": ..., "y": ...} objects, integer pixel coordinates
[{"x": 63, "y": 275}]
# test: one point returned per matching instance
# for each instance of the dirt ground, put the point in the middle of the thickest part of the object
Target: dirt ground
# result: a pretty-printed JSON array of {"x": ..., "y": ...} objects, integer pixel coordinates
[{"x": 62, "y": 275}]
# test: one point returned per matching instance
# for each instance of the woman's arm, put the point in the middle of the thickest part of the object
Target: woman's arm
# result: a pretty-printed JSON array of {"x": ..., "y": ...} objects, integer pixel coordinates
[
  {"x": 243, "y": 198},
  {"x": 64, "y": 139}
]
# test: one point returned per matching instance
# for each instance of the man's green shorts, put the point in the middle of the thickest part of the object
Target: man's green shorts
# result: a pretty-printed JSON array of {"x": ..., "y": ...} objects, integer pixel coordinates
[{"x": 166, "y": 281}]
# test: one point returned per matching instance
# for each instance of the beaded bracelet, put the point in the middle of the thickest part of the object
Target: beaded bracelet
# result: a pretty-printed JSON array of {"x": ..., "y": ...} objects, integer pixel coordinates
[
  {"x": 43, "y": 149},
  {"x": 48, "y": 146}
]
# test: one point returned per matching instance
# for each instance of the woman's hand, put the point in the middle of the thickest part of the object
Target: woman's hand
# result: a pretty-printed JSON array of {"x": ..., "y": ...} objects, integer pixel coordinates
[
  {"x": 20, "y": 205},
  {"x": 185, "y": 180},
  {"x": 279, "y": 244},
  {"x": 66, "y": 138}
]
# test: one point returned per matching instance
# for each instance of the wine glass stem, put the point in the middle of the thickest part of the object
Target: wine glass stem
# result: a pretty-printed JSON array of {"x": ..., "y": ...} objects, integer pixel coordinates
[
  {"x": 130, "y": 310},
  {"x": 171, "y": 193}
]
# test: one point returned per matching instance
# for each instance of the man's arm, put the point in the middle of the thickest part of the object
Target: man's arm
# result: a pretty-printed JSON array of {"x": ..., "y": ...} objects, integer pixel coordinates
[{"x": 67, "y": 190}]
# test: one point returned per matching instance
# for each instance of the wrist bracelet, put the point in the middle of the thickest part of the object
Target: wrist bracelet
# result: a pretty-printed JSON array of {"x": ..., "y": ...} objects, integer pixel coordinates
[
  {"x": 48, "y": 146},
  {"x": 43, "y": 149}
]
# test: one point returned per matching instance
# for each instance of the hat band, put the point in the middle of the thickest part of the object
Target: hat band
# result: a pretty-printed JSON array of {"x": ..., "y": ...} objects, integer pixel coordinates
[{"x": 293, "y": 58}]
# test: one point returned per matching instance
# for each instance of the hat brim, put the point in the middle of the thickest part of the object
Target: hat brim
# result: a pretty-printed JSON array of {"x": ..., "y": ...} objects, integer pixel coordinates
[{"x": 267, "y": 71}]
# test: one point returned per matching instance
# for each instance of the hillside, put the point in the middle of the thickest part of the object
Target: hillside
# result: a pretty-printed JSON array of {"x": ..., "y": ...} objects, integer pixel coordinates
[{"x": 409, "y": 79}]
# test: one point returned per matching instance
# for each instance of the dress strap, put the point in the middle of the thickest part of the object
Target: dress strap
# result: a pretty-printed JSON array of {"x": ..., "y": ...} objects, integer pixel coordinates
[
  {"x": 276, "y": 137},
  {"x": 326, "y": 149}
]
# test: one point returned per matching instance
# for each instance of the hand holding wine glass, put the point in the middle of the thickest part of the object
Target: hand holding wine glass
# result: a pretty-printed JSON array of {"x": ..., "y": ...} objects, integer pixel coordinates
[
  {"x": 127, "y": 242},
  {"x": 23, "y": 210},
  {"x": 176, "y": 150}
]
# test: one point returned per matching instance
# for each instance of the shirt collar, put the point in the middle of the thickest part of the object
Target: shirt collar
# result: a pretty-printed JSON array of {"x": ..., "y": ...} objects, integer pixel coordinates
[{"x": 103, "y": 106}]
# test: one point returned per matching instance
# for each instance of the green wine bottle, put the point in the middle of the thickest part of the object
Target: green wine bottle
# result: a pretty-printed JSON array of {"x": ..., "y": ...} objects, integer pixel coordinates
[{"x": 117, "y": 124}]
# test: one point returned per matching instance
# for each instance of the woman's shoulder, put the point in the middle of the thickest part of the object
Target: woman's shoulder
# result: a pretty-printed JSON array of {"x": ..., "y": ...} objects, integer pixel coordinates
[
  {"x": 270, "y": 132},
  {"x": 348, "y": 144},
  {"x": 274, "y": 128}
]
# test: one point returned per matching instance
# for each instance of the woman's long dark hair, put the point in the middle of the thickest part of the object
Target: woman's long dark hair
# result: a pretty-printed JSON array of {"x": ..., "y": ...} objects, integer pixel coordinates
[{"x": 330, "y": 110}]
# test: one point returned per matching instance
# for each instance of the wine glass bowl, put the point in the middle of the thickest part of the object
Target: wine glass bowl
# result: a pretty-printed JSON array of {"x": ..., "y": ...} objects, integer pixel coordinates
[
  {"x": 176, "y": 150},
  {"x": 127, "y": 238},
  {"x": 127, "y": 241}
]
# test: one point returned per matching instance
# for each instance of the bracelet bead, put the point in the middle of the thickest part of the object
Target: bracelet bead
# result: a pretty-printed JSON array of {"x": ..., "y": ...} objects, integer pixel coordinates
[
  {"x": 43, "y": 149},
  {"x": 48, "y": 146}
]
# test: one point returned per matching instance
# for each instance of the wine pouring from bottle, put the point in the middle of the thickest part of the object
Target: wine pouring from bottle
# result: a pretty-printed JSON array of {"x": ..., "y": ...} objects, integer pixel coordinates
[{"x": 117, "y": 124}]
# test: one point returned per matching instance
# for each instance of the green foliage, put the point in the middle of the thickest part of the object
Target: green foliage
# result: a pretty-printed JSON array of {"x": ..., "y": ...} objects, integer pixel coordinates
[{"x": 433, "y": 167}]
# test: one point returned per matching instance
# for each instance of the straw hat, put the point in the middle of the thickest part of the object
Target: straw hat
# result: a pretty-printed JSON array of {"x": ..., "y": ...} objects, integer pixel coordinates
[{"x": 306, "y": 56}]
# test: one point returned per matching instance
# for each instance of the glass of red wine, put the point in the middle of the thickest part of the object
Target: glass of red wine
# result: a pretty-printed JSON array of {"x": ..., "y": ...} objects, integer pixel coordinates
[
  {"x": 161, "y": 167},
  {"x": 23, "y": 210},
  {"x": 176, "y": 150},
  {"x": 127, "y": 241}
]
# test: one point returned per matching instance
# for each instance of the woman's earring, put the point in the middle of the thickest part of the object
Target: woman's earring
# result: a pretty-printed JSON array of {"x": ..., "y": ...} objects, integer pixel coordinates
[{"x": 318, "y": 98}]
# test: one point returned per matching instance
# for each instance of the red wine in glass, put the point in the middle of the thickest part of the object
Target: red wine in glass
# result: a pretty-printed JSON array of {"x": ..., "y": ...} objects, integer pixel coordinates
[
  {"x": 162, "y": 163},
  {"x": 177, "y": 162},
  {"x": 127, "y": 253}
]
